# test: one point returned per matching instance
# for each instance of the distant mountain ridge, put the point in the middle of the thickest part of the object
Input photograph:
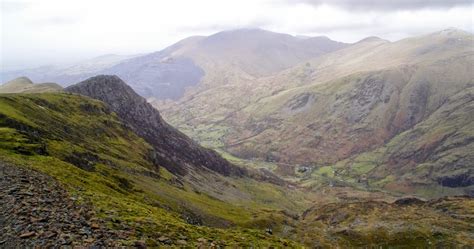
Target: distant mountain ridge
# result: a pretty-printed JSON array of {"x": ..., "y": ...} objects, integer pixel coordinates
[
  {"x": 246, "y": 52},
  {"x": 70, "y": 73},
  {"x": 25, "y": 85}
]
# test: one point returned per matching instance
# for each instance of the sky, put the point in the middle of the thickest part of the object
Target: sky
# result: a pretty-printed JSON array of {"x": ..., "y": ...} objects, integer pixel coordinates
[{"x": 43, "y": 32}]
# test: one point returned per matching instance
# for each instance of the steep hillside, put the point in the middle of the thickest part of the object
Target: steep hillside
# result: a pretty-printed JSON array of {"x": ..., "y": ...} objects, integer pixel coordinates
[
  {"x": 434, "y": 158},
  {"x": 375, "y": 54},
  {"x": 158, "y": 75},
  {"x": 326, "y": 111},
  {"x": 25, "y": 85},
  {"x": 74, "y": 175},
  {"x": 103, "y": 164},
  {"x": 173, "y": 149}
]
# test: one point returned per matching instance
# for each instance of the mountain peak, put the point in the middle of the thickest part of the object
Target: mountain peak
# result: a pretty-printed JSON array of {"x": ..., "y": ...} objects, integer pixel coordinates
[
  {"x": 453, "y": 32},
  {"x": 106, "y": 88},
  {"x": 247, "y": 30},
  {"x": 172, "y": 149},
  {"x": 246, "y": 34},
  {"x": 20, "y": 80},
  {"x": 103, "y": 80},
  {"x": 372, "y": 39}
]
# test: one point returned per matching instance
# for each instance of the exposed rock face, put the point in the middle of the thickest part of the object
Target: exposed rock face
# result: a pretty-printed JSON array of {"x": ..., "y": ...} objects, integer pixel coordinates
[
  {"x": 173, "y": 150},
  {"x": 158, "y": 75},
  {"x": 459, "y": 180}
]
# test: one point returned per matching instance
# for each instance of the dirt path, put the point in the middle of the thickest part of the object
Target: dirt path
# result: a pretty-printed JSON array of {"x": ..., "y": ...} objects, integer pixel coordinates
[{"x": 35, "y": 211}]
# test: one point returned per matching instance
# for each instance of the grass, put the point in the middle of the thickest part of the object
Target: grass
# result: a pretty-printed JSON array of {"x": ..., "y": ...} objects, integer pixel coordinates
[
  {"x": 327, "y": 171},
  {"x": 44, "y": 131},
  {"x": 384, "y": 225},
  {"x": 97, "y": 159}
]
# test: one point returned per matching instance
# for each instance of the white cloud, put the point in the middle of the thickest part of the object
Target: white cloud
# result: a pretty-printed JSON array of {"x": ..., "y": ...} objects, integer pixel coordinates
[
  {"x": 388, "y": 5},
  {"x": 49, "y": 31}
]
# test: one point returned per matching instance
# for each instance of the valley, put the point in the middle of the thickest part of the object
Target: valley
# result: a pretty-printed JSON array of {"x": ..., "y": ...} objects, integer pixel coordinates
[
  {"x": 358, "y": 118},
  {"x": 245, "y": 138}
]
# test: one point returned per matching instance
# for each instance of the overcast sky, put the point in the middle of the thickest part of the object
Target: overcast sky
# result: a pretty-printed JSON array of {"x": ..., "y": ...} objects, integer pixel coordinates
[{"x": 39, "y": 32}]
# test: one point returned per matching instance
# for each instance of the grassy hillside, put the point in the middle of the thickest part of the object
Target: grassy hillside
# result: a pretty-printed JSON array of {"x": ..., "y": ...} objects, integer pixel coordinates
[
  {"x": 406, "y": 223},
  {"x": 325, "y": 112},
  {"x": 86, "y": 148},
  {"x": 434, "y": 158},
  {"x": 25, "y": 85}
]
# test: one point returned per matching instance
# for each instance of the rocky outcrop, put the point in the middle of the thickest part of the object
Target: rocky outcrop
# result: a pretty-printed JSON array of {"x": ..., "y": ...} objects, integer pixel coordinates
[
  {"x": 409, "y": 201},
  {"x": 464, "y": 179},
  {"x": 173, "y": 150}
]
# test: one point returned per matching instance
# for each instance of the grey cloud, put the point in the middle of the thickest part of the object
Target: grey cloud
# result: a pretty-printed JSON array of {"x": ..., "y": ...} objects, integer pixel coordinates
[{"x": 388, "y": 4}]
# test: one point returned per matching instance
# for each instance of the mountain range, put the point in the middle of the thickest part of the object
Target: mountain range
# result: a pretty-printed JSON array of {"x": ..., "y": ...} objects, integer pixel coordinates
[
  {"x": 167, "y": 73},
  {"x": 377, "y": 112},
  {"x": 245, "y": 138}
]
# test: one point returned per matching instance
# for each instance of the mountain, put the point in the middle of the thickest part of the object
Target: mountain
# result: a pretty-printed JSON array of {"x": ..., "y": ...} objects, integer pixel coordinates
[
  {"x": 69, "y": 73},
  {"x": 25, "y": 85},
  {"x": 195, "y": 62},
  {"x": 257, "y": 52},
  {"x": 375, "y": 114},
  {"x": 173, "y": 149},
  {"x": 298, "y": 141},
  {"x": 100, "y": 175},
  {"x": 219, "y": 59},
  {"x": 77, "y": 171}
]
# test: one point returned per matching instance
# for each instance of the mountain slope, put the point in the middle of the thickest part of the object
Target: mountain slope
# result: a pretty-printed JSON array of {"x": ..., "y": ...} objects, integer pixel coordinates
[
  {"x": 25, "y": 85},
  {"x": 195, "y": 62},
  {"x": 228, "y": 57},
  {"x": 173, "y": 149},
  {"x": 381, "y": 224},
  {"x": 99, "y": 160},
  {"x": 332, "y": 108},
  {"x": 257, "y": 52},
  {"x": 101, "y": 171}
]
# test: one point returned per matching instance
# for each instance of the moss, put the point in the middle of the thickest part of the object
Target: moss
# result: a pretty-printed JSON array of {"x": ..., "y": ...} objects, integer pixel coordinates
[
  {"x": 362, "y": 167},
  {"x": 327, "y": 171},
  {"x": 124, "y": 187},
  {"x": 384, "y": 181}
]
